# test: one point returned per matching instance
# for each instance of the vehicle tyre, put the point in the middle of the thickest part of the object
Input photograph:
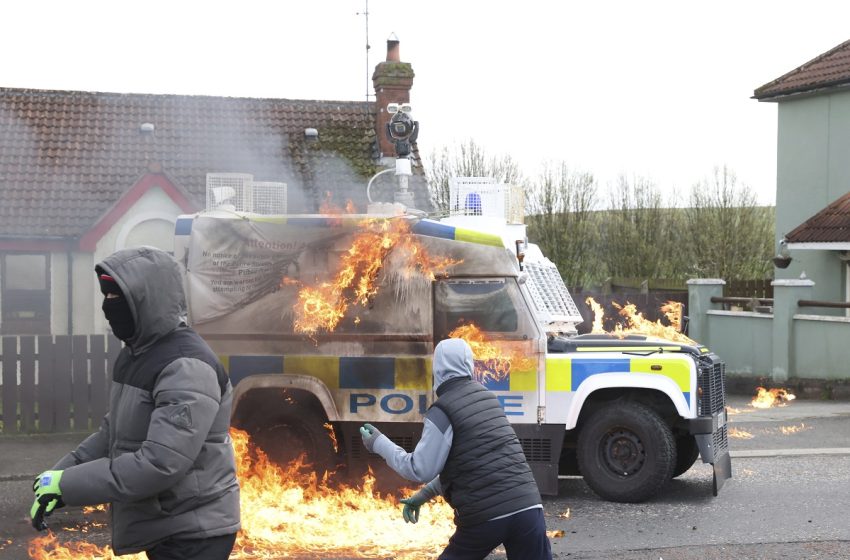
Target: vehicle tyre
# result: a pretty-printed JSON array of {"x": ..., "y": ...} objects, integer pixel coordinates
[
  {"x": 686, "y": 454},
  {"x": 285, "y": 438},
  {"x": 626, "y": 453}
]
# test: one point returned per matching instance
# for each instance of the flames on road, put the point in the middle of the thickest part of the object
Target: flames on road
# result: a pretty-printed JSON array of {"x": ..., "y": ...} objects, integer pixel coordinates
[
  {"x": 737, "y": 433},
  {"x": 766, "y": 398},
  {"x": 289, "y": 512},
  {"x": 636, "y": 323}
]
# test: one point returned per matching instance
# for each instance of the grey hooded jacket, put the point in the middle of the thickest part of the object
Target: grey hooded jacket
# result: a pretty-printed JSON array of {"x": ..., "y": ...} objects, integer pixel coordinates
[
  {"x": 163, "y": 456},
  {"x": 467, "y": 441}
]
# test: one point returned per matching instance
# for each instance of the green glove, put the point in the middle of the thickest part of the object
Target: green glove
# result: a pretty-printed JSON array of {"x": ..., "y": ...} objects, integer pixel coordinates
[
  {"x": 48, "y": 496},
  {"x": 411, "y": 509},
  {"x": 369, "y": 433}
]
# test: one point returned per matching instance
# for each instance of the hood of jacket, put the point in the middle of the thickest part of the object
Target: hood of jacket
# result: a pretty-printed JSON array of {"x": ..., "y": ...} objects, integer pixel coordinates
[
  {"x": 150, "y": 281},
  {"x": 452, "y": 358}
]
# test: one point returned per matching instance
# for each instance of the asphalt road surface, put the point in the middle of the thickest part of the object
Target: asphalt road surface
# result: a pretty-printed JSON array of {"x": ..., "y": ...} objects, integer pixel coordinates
[{"x": 789, "y": 497}]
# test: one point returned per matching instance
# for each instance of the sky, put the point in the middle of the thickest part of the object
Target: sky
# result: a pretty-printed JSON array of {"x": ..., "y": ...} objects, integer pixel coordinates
[{"x": 659, "y": 90}]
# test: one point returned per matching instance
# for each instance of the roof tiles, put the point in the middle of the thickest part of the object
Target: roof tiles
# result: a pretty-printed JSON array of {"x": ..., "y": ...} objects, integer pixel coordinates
[
  {"x": 830, "y": 69},
  {"x": 830, "y": 225},
  {"x": 66, "y": 157}
]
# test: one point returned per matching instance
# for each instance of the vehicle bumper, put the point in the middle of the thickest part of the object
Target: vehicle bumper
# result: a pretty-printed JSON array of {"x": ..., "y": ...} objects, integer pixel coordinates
[{"x": 712, "y": 439}]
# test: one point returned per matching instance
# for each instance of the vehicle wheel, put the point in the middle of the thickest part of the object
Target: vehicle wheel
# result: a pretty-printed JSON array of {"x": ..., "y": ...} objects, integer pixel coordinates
[
  {"x": 686, "y": 454},
  {"x": 626, "y": 452},
  {"x": 287, "y": 437}
]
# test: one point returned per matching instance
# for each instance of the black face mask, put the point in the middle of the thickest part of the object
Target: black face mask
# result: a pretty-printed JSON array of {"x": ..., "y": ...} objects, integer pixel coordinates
[{"x": 117, "y": 311}]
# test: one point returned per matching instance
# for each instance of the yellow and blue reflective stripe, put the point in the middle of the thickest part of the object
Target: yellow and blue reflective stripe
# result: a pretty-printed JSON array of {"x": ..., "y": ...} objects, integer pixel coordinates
[
  {"x": 567, "y": 374},
  {"x": 443, "y": 231},
  {"x": 346, "y": 372},
  {"x": 414, "y": 373}
]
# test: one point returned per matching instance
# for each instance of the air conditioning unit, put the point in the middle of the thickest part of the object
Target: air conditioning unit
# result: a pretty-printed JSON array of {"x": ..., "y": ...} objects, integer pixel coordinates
[
  {"x": 483, "y": 196},
  {"x": 269, "y": 197},
  {"x": 239, "y": 192}
]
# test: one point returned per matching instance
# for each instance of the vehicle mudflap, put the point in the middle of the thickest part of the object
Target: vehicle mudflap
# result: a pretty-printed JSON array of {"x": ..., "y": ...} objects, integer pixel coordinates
[{"x": 722, "y": 471}]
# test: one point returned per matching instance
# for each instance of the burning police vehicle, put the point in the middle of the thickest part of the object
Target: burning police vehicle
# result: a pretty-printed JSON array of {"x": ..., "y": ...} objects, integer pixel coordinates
[{"x": 328, "y": 321}]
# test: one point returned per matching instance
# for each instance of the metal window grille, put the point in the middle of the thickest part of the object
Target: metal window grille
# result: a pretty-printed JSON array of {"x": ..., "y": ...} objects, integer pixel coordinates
[{"x": 549, "y": 293}]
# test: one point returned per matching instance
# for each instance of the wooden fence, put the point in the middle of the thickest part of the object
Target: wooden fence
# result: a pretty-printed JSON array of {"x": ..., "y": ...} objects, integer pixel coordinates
[
  {"x": 55, "y": 383},
  {"x": 761, "y": 289}
]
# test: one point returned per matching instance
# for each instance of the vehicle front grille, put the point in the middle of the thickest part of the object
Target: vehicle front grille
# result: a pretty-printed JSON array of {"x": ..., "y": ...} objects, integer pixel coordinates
[
  {"x": 721, "y": 441},
  {"x": 711, "y": 380},
  {"x": 711, "y": 398}
]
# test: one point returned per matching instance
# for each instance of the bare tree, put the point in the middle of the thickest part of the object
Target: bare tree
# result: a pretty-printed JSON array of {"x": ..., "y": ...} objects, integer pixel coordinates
[
  {"x": 731, "y": 236},
  {"x": 638, "y": 233},
  {"x": 467, "y": 160},
  {"x": 561, "y": 219}
]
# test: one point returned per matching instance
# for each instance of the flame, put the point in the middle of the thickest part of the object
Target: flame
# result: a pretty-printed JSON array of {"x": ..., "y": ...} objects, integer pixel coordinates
[
  {"x": 740, "y": 434},
  {"x": 332, "y": 434},
  {"x": 492, "y": 360},
  {"x": 289, "y": 512},
  {"x": 557, "y": 534},
  {"x": 49, "y": 547},
  {"x": 327, "y": 206},
  {"x": 673, "y": 311},
  {"x": 637, "y": 324},
  {"x": 787, "y": 430},
  {"x": 322, "y": 307},
  {"x": 598, "y": 314},
  {"x": 766, "y": 398}
]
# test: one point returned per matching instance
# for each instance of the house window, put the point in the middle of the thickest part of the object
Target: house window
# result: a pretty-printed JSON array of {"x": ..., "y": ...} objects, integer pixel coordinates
[{"x": 25, "y": 298}]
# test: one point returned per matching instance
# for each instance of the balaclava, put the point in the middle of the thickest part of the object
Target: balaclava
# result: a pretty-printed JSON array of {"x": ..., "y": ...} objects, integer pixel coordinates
[{"x": 117, "y": 309}]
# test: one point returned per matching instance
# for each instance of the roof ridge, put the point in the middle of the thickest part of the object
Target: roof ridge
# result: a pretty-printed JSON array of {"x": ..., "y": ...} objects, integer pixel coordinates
[
  {"x": 65, "y": 92},
  {"x": 799, "y": 70}
]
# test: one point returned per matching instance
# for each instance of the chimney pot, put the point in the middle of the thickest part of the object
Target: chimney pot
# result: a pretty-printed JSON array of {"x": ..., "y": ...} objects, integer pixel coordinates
[{"x": 393, "y": 54}]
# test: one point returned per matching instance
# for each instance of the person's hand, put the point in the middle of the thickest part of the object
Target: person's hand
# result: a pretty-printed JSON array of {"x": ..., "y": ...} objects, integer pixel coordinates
[
  {"x": 411, "y": 509},
  {"x": 369, "y": 433},
  {"x": 48, "y": 496}
]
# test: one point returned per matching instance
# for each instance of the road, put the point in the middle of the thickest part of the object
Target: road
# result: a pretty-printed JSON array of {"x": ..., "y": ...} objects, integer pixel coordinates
[{"x": 788, "y": 498}]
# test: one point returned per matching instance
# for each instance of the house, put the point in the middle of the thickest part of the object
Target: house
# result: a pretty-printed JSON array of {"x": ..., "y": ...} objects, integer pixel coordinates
[
  {"x": 813, "y": 173},
  {"x": 800, "y": 340},
  {"x": 83, "y": 174}
]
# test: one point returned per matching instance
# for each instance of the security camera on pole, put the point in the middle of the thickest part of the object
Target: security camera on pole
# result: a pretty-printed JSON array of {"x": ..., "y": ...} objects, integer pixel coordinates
[{"x": 402, "y": 131}]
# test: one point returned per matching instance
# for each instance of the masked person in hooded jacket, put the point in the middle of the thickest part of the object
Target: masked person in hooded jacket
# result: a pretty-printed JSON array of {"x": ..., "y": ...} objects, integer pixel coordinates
[
  {"x": 163, "y": 457},
  {"x": 473, "y": 458}
]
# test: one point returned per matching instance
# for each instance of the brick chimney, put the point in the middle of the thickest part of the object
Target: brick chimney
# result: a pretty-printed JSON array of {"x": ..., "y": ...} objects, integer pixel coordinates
[{"x": 392, "y": 79}]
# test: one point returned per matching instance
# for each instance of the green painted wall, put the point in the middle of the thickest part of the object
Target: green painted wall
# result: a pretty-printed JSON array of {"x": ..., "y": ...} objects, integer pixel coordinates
[
  {"x": 813, "y": 169},
  {"x": 743, "y": 340},
  {"x": 821, "y": 346}
]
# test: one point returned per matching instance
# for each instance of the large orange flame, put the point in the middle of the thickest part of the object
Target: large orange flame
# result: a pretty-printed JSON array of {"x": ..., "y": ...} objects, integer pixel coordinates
[
  {"x": 766, "y": 398},
  {"x": 637, "y": 324},
  {"x": 322, "y": 307},
  {"x": 288, "y": 511},
  {"x": 493, "y": 360}
]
